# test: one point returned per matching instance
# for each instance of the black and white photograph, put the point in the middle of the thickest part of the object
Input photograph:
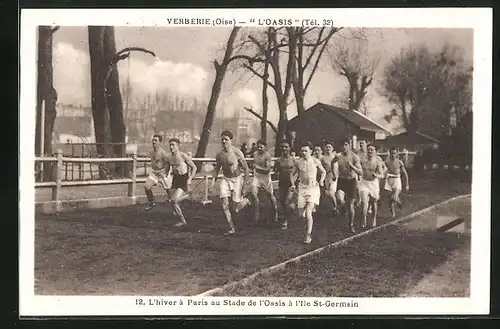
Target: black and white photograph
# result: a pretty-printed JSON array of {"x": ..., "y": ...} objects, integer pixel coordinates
[{"x": 241, "y": 162}]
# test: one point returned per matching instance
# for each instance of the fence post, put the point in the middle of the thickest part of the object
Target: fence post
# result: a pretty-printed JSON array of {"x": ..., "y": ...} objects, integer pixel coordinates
[
  {"x": 132, "y": 187},
  {"x": 206, "y": 200},
  {"x": 406, "y": 158},
  {"x": 56, "y": 190}
]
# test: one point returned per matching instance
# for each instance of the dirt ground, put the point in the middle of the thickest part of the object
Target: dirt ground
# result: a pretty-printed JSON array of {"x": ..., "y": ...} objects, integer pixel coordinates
[
  {"x": 386, "y": 263},
  {"x": 126, "y": 251}
]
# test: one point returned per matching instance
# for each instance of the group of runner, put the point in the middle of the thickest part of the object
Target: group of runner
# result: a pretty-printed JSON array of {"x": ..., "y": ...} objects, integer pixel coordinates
[{"x": 348, "y": 178}]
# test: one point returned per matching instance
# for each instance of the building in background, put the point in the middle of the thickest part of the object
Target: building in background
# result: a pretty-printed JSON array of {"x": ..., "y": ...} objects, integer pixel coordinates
[
  {"x": 326, "y": 122},
  {"x": 73, "y": 124}
]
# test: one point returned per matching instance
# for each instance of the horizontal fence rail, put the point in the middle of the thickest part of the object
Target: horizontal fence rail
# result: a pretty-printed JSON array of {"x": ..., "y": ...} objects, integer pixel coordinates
[{"x": 60, "y": 165}]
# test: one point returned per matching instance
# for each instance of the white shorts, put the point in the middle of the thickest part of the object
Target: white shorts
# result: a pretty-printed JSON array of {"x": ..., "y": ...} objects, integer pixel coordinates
[
  {"x": 231, "y": 188},
  {"x": 370, "y": 188},
  {"x": 308, "y": 194},
  {"x": 393, "y": 184},
  {"x": 161, "y": 178},
  {"x": 263, "y": 181},
  {"x": 331, "y": 187}
]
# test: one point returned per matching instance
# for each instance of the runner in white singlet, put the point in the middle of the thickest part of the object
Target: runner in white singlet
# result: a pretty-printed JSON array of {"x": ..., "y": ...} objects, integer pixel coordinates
[{"x": 306, "y": 168}]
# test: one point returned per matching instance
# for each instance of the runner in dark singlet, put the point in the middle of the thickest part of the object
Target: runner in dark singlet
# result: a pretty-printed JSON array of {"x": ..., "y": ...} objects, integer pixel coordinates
[
  {"x": 284, "y": 167},
  {"x": 347, "y": 186},
  {"x": 179, "y": 163}
]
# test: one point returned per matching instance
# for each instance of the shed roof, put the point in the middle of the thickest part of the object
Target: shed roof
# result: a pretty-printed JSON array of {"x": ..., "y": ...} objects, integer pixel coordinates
[{"x": 358, "y": 119}]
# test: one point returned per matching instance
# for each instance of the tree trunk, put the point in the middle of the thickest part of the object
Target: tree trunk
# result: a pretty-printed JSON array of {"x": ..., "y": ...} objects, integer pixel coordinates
[
  {"x": 265, "y": 109},
  {"x": 282, "y": 128},
  {"x": 220, "y": 72},
  {"x": 113, "y": 95},
  {"x": 45, "y": 92},
  {"x": 265, "y": 99},
  {"x": 97, "y": 74}
]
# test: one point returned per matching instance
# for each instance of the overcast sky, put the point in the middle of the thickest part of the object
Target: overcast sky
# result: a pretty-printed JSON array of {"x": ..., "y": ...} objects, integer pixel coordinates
[{"x": 185, "y": 67}]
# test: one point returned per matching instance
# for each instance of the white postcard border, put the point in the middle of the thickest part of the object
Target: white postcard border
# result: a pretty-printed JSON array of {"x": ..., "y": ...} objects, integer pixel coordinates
[{"x": 480, "y": 19}]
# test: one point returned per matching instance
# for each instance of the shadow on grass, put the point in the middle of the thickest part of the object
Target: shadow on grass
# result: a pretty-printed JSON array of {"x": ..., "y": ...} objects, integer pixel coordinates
[{"x": 384, "y": 264}]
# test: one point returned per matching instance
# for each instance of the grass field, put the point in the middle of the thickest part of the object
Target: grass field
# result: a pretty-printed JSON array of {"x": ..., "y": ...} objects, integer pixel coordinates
[{"x": 125, "y": 251}]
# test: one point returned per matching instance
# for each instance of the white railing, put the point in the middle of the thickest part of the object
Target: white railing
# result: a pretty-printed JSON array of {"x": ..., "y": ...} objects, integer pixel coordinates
[{"x": 60, "y": 161}]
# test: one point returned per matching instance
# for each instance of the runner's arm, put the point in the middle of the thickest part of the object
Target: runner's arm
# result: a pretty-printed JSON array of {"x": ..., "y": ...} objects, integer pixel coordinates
[
  {"x": 335, "y": 170},
  {"x": 191, "y": 165},
  {"x": 379, "y": 171},
  {"x": 405, "y": 173},
  {"x": 243, "y": 163},
  {"x": 294, "y": 175},
  {"x": 322, "y": 171},
  {"x": 167, "y": 163},
  {"x": 383, "y": 166},
  {"x": 218, "y": 165},
  {"x": 356, "y": 165}
]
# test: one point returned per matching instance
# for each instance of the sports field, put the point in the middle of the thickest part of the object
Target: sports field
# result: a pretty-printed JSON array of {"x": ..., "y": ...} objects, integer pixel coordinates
[{"x": 126, "y": 251}]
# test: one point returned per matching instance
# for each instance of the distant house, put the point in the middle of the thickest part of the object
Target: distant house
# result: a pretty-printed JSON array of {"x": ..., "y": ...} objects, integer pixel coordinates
[
  {"x": 323, "y": 121},
  {"x": 72, "y": 123},
  {"x": 410, "y": 141}
]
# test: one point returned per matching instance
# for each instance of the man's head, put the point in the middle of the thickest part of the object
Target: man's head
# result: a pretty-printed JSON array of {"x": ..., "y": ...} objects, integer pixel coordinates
[
  {"x": 346, "y": 145},
  {"x": 226, "y": 139},
  {"x": 371, "y": 150},
  {"x": 285, "y": 147},
  {"x": 393, "y": 153},
  {"x": 318, "y": 151},
  {"x": 156, "y": 140},
  {"x": 329, "y": 147},
  {"x": 261, "y": 146},
  {"x": 174, "y": 143},
  {"x": 305, "y": 149},
  {"x": 363, "y": 146}
]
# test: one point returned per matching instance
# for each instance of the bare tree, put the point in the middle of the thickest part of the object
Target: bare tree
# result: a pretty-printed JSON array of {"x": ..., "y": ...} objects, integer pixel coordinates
[
  {"x": 310, "y": 49},
  {"x": 45, "y": 93},
  {"x": 265, "y": 100},
  {"x": 112, "y": 93},
  {"x": 353, "y": 59},
  {"x": 220, "y": 72},
  {"x": 281, "y": 85},
  {"x": 97, "y": 74},
  {"x": 425, "y": 86},
  {"x": 301, "y": 56}
]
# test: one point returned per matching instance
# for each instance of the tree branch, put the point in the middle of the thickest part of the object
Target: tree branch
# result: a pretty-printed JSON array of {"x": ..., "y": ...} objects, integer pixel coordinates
[
  {"x": 311, "y": 54},
  {"x": 250, "y": 60},
  {"x": 261, "y": 47},
  {"x": 251, "y": 69},
  {"x": 273, "y": 127}
]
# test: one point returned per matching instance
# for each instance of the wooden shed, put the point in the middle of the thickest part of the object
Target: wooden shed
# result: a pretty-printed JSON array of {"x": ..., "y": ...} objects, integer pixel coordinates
[{"x": 327, "y": 122}]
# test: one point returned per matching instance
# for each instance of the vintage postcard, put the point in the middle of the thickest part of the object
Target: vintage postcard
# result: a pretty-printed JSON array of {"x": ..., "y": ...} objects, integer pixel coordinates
[{"x": 189, "y": 162}]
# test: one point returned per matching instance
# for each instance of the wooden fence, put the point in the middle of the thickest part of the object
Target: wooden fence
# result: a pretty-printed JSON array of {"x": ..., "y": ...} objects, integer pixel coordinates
[{"x": 134, "y": 162}]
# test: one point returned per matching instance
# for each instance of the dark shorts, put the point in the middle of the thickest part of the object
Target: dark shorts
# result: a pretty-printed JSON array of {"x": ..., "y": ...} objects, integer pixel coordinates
[
  {"x": 348, "y": 186},
  {"x": 180, "y": 181},
  {"x": 284, "y": 183}
]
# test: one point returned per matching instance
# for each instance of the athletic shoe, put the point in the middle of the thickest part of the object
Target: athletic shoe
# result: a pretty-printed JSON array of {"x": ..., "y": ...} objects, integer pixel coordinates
[
  {"x": 241, "y": 205},
  {"x": 150, "y": 206}
]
